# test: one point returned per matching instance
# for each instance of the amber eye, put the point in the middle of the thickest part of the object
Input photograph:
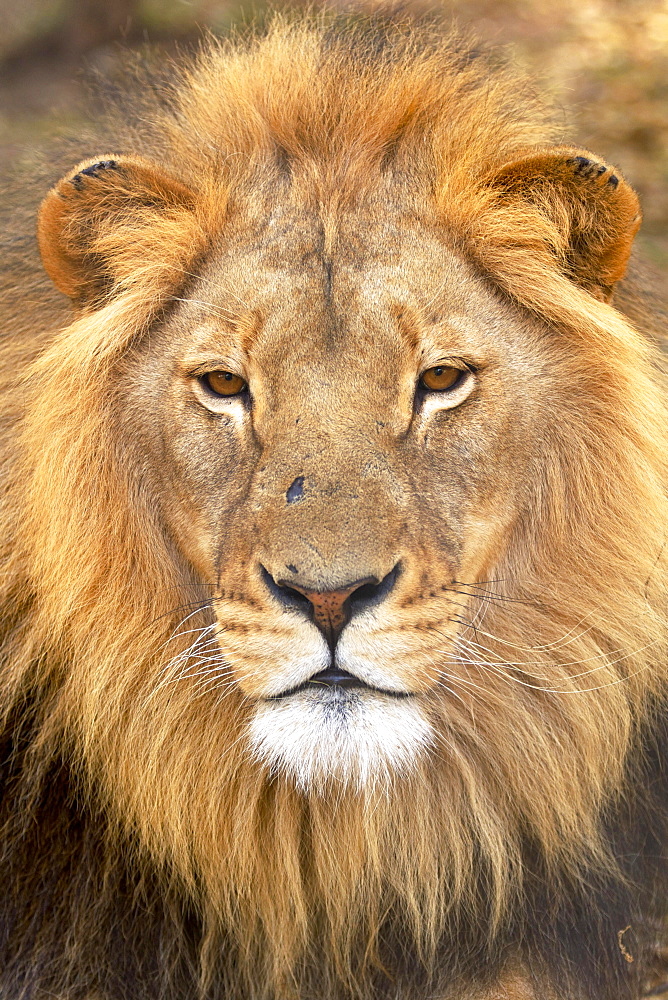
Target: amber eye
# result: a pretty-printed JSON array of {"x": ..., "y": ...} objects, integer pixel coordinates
[
  {"x": 441, "y": 378},
  {"x": 224, "y": 383}
]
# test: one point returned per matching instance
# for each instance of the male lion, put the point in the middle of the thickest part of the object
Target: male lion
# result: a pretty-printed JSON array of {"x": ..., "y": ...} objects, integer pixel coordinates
[{"x": 334, "y": 614}]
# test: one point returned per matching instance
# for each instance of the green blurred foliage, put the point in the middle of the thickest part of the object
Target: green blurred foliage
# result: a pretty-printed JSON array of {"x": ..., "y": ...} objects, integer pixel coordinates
[{"x": 606, "y": 61}]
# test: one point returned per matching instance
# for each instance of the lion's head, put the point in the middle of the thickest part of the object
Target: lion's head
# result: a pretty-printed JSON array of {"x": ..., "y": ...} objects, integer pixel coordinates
[{"x": 340, "y": 500}]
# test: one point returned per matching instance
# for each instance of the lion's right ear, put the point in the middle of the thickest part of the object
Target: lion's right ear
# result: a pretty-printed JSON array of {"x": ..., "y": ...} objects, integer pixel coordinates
[
  {"x": 588, "y": 202},
  {"x": 106, "y": 218}
]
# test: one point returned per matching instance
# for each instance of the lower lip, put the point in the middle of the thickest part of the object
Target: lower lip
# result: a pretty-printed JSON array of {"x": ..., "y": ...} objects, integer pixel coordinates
[{"x": 356, "y": 685}]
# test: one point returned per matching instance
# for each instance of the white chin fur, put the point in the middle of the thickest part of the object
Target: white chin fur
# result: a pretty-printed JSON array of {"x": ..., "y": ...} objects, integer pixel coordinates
[{"x": 353, "y": 737}]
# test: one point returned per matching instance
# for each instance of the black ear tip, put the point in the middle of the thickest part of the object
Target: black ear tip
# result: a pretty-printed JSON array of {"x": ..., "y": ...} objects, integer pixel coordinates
[{"x": 95, "y": 168}]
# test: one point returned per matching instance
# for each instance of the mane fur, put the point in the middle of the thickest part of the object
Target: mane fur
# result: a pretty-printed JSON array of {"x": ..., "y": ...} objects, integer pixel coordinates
[{"x": 153, "y": 842}]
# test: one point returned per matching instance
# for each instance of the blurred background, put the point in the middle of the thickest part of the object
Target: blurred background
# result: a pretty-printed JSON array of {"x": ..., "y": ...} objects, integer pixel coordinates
[{"x": 606, "y": 62}]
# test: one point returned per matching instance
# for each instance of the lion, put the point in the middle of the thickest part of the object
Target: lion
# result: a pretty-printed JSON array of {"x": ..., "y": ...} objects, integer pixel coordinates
[{"x": 334, "y": 635}]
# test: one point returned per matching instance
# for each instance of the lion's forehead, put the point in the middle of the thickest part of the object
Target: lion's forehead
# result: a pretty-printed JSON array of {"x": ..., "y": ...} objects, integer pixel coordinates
[
  {"x": 366, "y": 251},
  {"x": 389, "y": 285}
]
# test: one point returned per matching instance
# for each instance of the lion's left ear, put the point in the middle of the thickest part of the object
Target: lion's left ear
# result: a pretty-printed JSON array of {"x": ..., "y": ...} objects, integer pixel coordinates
[
  {"x": 111, "y": 219},
  {"x": 591, "y": 205}
]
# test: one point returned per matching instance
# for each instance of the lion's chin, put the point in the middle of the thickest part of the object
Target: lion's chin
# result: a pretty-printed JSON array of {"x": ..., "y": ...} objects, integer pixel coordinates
[{"x": 356, "y": 737}]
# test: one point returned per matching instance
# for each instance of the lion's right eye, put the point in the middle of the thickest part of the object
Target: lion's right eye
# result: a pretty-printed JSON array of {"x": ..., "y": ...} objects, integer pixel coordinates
[
  {"x": 223, "y": 383},
  {"x": 442, "y": 378}
]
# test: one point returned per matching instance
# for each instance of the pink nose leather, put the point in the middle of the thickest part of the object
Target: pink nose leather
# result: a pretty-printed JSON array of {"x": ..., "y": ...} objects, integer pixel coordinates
[{"x": 329, "y": 606}]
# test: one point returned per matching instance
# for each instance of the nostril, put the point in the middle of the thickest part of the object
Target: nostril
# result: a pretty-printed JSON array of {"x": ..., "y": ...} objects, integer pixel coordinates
[
  {"x": 285, "y": 594},
  {"x": 370, "y": 594}
]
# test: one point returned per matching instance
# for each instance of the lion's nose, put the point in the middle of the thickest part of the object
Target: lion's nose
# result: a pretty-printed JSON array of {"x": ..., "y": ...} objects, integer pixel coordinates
[{"x": 331, "y": 610}]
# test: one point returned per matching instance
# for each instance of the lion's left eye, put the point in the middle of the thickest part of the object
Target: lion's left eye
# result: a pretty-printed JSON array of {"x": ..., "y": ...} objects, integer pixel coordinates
[
  {"x": 441, "y": 378},
  {"x": 224, "y": 383}
]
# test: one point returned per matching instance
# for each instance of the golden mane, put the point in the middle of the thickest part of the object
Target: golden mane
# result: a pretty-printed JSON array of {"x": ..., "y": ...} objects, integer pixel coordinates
[{"x": 323, "y": 893}]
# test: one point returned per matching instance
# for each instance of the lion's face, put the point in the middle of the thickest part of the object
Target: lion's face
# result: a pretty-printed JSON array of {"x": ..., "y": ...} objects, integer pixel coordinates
[{"x": 339, "y": 509}]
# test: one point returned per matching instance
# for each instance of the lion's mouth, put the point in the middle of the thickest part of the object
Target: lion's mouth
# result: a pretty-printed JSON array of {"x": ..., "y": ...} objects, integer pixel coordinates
[
  {"x": 337, "y": 679},
  {"x": 338, "y": 728}
]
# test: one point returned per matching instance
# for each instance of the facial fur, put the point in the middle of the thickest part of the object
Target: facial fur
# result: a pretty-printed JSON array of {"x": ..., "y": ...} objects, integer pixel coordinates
[{"x": 393, "y": 478}]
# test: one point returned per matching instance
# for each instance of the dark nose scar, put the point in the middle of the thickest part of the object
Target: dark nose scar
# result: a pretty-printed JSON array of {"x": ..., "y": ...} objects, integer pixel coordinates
[{"x": 296, "y": 490}]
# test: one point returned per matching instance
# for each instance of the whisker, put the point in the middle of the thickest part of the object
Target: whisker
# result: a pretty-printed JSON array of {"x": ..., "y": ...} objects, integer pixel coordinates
[
  {"x": 203, "y": 630},
  {"x": 498, "y": 669},
  {"x": 564, "y": 640},
  {"x": 522, "y": 665},
  {"x": 488, "y": 595},
  {"x": 209, "y": 601},
  {"x": 219, "y": 310}
]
